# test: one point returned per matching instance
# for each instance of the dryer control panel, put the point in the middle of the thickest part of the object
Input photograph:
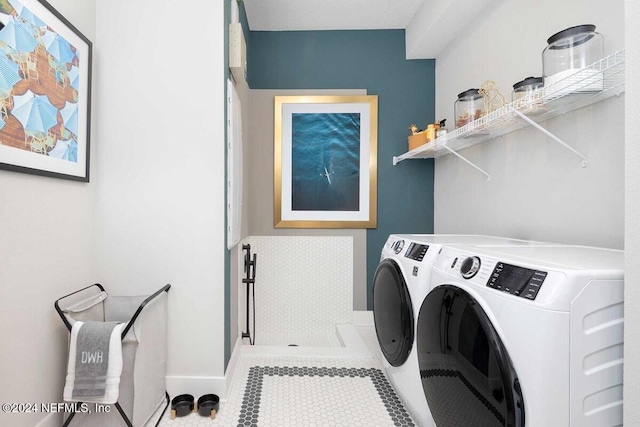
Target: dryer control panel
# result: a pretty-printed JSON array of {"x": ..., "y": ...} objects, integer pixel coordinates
[
  {"x": 416, "y": 251},
  {"x": 515, "y": 280}
]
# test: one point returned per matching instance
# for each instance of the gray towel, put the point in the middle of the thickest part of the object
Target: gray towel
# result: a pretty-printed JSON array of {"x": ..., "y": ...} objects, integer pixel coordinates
[{"x": 92, "y": 359}]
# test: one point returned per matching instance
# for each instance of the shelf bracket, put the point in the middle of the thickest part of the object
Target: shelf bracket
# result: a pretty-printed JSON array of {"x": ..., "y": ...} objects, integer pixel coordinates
[
  {"x": 467, "y": 161},
  {"x": 552, "y": 136}
]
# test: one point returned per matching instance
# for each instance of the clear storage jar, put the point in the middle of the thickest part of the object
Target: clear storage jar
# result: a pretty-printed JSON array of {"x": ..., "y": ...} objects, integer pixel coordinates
[
  {"x": 570, "y": 51},
  {"x": 526, "y": 87},
  {"x": 468, "y": 107}
]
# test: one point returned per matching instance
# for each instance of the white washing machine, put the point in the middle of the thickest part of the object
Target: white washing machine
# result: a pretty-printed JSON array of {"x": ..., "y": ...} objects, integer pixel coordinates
[
  {"x": 401, "y": 282},
  {"x": 524, "y": 337}
]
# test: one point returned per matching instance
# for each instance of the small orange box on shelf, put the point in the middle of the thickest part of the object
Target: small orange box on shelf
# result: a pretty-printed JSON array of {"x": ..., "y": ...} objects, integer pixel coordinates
[{"x": 417, "y": 140}]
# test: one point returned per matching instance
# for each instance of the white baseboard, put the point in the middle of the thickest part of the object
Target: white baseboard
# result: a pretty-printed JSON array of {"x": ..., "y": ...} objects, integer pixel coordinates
[
  {"x": 363, "y": 318},
  {"x": 51, "y": 420},
  {"x": 196, "y": 386},
  {"x": 233, "y": 363},
  {"x": 200, "y": 385}
]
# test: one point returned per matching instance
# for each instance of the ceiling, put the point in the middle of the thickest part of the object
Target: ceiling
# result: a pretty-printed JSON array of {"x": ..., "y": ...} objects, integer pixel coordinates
[
  {"x": 300, "y": 15},
  {"x": 430, "y": 25}
]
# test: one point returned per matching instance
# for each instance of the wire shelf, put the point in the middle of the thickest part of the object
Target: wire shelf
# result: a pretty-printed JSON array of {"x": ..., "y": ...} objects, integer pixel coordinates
[{"x": 600, "y": 80}]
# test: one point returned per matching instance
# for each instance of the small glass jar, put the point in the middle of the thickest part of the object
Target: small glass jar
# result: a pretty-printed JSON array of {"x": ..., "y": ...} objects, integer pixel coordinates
[
  {"x": 526, "y": 87},
  {"x": 468, "y": 107},
  {"x": 569, "y": 51}
]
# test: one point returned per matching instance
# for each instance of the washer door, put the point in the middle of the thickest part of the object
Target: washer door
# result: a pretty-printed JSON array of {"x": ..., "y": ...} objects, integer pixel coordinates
[
  {"x": 392, "y": 312},
  {"x": 466, "y": 373}
]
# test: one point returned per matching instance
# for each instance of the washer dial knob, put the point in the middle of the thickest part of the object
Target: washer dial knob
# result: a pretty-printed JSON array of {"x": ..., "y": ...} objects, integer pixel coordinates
[
  {"x": 397, "y": 246},
  {"x": 470, "y": 267}
]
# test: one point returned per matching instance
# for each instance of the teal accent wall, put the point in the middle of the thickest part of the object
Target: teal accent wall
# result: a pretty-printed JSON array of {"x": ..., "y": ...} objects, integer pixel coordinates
[
  {"x": 227, "y": 257},
  {"x": 375, "y": 61}
]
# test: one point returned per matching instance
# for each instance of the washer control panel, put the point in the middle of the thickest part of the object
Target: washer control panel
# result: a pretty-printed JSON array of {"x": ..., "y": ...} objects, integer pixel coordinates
[
  {"x": 519, "y": 281},
  {"x": 416, "y": 251}
]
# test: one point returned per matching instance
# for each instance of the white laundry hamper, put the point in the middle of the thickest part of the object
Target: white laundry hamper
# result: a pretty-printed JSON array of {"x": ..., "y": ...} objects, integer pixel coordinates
[{"x": 144, "y": 353}]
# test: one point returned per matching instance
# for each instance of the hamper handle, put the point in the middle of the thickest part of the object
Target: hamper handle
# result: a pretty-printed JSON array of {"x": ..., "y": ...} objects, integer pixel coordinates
[{"x": 57, "y": 306}]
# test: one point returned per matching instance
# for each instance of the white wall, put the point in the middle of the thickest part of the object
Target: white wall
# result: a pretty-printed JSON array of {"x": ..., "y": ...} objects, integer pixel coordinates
[
  {"x": 632, "y": 223},
  {"x": 236, "y": 254},
  {"x": 160, "y": 171},
  {"x": 46, "y": 251},
  {"x": 538, "y": 190}
]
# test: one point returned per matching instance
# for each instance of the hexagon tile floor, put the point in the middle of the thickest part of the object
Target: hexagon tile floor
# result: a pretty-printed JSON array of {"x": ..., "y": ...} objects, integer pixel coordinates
[{"x": 307, "y": 392}]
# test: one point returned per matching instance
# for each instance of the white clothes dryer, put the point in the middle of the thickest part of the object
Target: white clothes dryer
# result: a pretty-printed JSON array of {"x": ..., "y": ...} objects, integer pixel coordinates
[
  {"x": 524, "y": 337},
  {"x": 401, "y": 282}
]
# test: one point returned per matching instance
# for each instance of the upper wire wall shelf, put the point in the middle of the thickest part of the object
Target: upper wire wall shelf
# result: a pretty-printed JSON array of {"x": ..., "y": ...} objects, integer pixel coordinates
[{"x": 600, "y": 80}]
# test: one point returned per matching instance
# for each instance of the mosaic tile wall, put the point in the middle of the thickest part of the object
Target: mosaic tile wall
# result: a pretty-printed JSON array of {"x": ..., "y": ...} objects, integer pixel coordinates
[{"x": 304, "y": 285}]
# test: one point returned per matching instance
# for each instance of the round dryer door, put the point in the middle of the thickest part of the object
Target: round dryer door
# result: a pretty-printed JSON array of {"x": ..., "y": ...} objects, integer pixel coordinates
[
  {"x": 466, "y": 373},
  {"x": 392, "y": 313}
]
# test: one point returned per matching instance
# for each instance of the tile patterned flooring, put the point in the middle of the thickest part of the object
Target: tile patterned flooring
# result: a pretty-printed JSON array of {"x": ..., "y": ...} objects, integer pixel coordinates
[{"x": 307, "y": 392}]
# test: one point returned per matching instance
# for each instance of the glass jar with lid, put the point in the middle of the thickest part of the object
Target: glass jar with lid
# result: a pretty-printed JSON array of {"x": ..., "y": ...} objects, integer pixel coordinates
[
  {"x": 468, "y": 107},
  {"x": 526, "y": 87},
  {"x": 570, "y": 51}
]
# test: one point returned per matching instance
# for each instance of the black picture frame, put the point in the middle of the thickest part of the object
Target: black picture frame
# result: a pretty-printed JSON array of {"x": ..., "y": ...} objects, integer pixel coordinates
[{"x": 45, "y": 114}]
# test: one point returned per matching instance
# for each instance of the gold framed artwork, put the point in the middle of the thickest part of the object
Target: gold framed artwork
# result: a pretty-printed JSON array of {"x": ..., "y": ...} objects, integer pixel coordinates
[{"x": 325, "y": 161}]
